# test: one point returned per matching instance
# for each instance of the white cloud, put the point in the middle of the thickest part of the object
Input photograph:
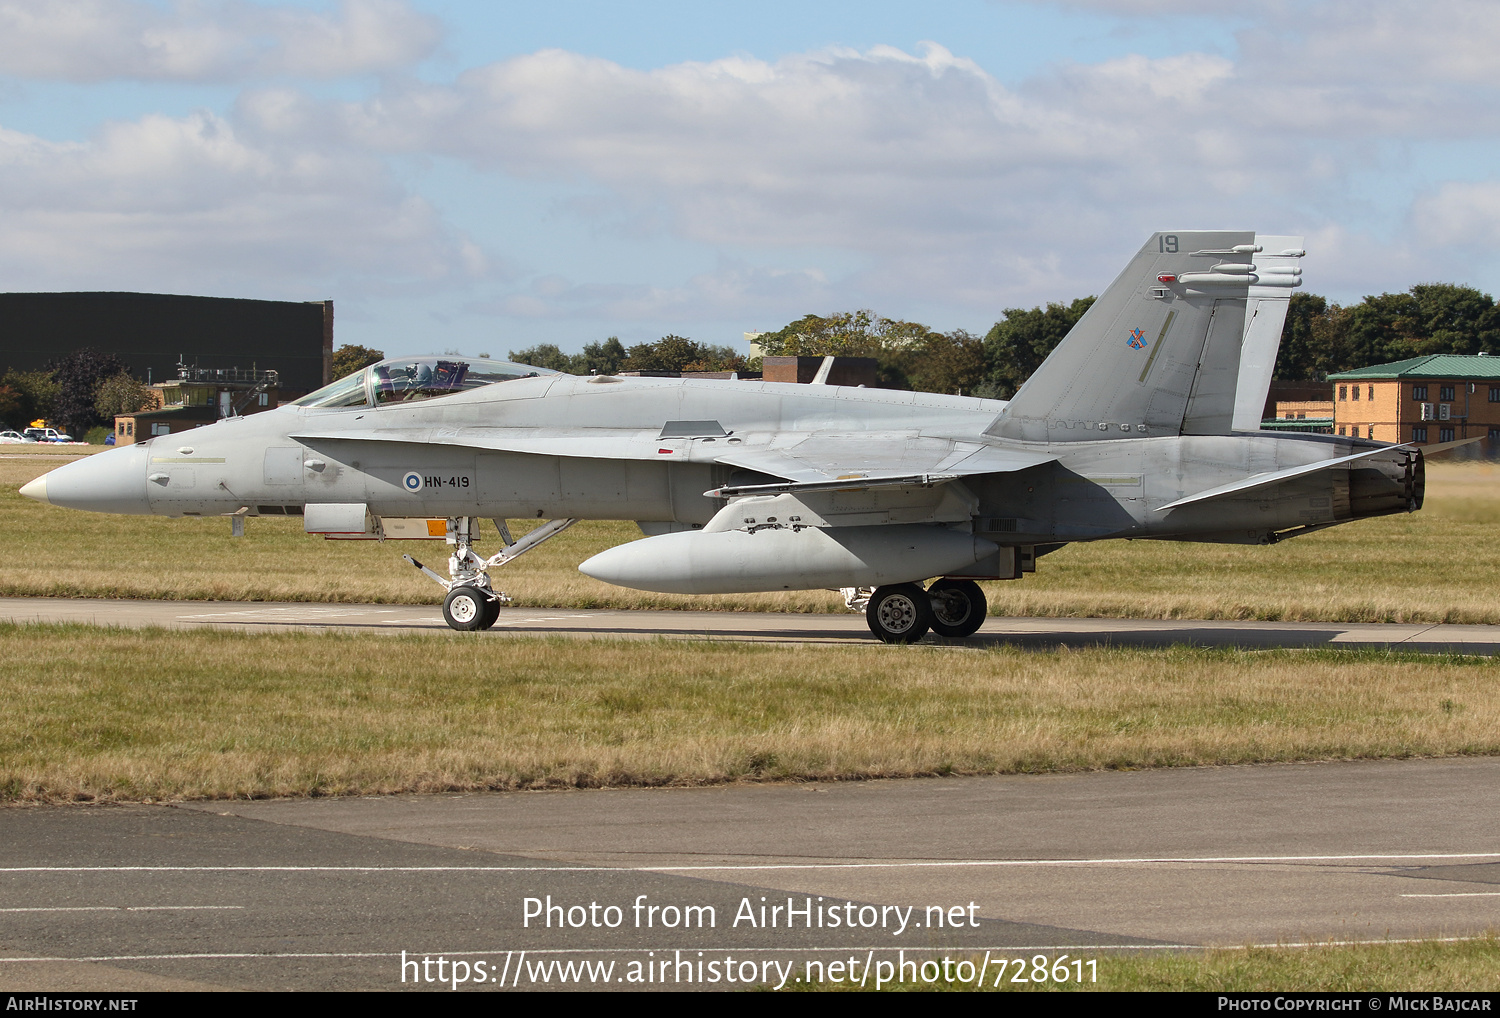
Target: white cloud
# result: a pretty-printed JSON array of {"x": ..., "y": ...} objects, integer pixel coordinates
[
  {"x": 947, "y": 188},
  {"x": 187, "y": 203},
  {"x": 945, "y": 180},
  {"x": 1459, "y": 214},
  {"x": 732, "y": 290},
  {"x": 222, "y": 40}
]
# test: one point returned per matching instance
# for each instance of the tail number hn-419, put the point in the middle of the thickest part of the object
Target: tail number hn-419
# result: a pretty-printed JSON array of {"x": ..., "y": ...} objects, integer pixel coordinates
[{"x": 414, "y": 481}]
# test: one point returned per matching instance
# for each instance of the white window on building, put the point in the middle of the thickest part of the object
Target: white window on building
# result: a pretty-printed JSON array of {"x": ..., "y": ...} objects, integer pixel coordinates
[{"x": 161, "y": 429}]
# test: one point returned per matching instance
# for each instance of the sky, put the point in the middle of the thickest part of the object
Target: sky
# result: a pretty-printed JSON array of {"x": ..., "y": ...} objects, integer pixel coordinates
[{"x": 486, "y": 176}]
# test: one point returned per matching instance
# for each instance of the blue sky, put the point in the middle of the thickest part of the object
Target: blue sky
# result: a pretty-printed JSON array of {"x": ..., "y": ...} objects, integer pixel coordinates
[{"x": 486, "y": 176}]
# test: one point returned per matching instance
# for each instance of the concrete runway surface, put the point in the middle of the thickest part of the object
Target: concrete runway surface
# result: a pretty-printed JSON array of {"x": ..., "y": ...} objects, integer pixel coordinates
[
  {"x": 327, "y": 893},
  {"x": 747, "y": 626}
]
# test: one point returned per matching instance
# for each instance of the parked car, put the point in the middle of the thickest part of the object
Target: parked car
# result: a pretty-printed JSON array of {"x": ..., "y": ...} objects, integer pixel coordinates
[
  {"x": 47, "y": 435},
  {"x": 12, "y": 437}
]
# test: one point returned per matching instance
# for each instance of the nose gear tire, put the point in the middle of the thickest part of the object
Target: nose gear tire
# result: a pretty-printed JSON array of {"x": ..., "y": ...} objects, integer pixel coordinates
[
  {"x": 491, "y": 612},
  {"x": 899, "y": 613},
  {"x": 465, "y": 608}
]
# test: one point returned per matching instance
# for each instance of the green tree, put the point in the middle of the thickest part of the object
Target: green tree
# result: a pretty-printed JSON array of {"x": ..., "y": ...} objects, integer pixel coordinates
[
  {"x": 545, "y": 355},
  {"x": 1017, "y": 344},
  {"x": 860, "y": 333},
  {"x": 1428, "y": 318},
  {"x": 78, "y": 375},
  {"x": 1314, "y": 340},
  {"x": 948, "y": 362},
  {"x": 603, "y": 358},
  {"x": 10, "y": 406},
  {"x": 670, "y": 353},
  {"x": 678, "y": 353},
  {"x": 349, "y": 358},
  {"x": 35, "y": 394},
  {"x": 121, "y": 394}
]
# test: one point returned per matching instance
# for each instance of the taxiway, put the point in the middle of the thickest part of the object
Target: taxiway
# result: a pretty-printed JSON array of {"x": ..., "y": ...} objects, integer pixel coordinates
[{"x": 746, "y": 626}]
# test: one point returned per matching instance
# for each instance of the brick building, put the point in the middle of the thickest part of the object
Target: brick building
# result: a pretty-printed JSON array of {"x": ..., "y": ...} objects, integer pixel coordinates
[{"x": 1426, "y": 400}]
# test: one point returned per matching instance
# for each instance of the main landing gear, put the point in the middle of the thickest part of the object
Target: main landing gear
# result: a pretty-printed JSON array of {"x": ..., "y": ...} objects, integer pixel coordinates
[
  {"x": 904, "y": 612},
  {"x": 472, "y": 604}
]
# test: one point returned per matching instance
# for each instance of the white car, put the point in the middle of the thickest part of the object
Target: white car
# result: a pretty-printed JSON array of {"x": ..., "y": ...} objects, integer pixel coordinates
[{"x": 13, "y": 437}]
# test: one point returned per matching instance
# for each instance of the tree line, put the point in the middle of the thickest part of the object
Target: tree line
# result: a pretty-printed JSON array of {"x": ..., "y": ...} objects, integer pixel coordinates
[
  {"x": 81, "y": 392},
  {"x": 1320, "y": 337},
  {"x": 86, "y": 389}
]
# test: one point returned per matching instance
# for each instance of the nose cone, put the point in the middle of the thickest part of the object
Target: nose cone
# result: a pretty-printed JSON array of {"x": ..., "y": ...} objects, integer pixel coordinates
[{"x": 107, "y": 482}]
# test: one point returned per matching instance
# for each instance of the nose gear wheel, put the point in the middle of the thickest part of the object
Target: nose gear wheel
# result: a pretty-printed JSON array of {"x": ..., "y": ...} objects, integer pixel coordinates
[{"x": 466, "y": 608}]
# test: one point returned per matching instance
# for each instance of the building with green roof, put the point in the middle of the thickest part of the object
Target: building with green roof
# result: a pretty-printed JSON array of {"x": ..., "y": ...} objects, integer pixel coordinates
[{"x": 1435, "y": 398}]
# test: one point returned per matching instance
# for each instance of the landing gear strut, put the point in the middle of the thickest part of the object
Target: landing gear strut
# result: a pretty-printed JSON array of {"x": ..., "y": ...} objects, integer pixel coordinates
[{"x": 472, "y": 604}]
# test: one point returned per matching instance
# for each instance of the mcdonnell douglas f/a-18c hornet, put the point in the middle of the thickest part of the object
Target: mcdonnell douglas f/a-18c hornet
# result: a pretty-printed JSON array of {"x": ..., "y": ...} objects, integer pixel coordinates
[{"x": 1143, "y": 423}]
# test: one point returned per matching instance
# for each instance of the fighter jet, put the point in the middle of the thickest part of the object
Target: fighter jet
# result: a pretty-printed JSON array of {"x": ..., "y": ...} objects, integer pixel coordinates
[{"x": 1142, "y": 424}]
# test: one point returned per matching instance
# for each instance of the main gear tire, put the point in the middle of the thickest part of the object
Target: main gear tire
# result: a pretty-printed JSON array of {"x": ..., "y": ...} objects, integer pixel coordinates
[
  {"x": 465, "y": 607},
  {"x": 899, "y": 613},
  {"x": 958, "y": 607}
]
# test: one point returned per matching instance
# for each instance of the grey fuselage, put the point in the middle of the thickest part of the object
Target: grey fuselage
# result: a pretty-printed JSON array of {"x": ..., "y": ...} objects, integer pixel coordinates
[{"x": 592, "y": 448}]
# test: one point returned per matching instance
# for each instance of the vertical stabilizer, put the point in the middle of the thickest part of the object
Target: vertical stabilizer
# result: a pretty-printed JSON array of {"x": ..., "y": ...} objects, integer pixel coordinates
[
  {"x": 1157, "y": 354},
  {"x": 1277, "y": 272}
]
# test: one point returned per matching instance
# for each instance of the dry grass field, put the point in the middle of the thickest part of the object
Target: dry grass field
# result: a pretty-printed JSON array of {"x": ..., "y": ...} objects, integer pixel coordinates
[
  {"x": 101, "y": 714},
  {"x": 1439, "y": 565}
]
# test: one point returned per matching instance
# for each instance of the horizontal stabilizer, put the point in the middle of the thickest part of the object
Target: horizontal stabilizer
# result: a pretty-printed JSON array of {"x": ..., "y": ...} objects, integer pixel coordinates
[
  {"x": 1437, "y": 447},
  {"x": 1275, "y": 477}
]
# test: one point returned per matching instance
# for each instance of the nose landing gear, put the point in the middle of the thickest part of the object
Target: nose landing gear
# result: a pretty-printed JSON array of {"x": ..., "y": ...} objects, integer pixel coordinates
[
  {"x": 469, "y": 608},
  {"x": 472, "y": 604}
]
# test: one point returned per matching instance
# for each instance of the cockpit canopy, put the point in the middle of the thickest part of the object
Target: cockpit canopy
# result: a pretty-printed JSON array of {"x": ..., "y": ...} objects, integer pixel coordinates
[{"x": 407, "y": 379}]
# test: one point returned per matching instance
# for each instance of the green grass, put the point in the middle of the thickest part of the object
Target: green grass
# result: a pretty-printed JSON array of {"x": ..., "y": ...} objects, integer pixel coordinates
[
  {"x": 1438, "y": 565},
  {"x": 151, "y": 714},
  {"x": 1471, "y": 966}
]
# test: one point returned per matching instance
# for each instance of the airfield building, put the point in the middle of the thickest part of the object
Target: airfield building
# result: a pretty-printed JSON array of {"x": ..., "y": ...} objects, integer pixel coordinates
[
  {"x": 1425, "y": 400},
  {"x": 199, "y": 396}
]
